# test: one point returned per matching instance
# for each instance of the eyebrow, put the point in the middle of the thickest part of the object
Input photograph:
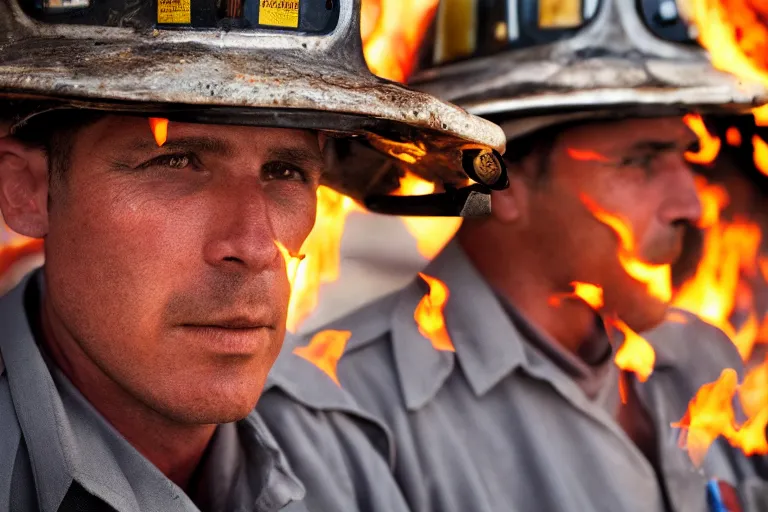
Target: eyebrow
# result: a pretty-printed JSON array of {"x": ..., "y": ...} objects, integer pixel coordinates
[
  {"x": 297, "y": 155},
  {"x": 201, "y": 144},
  {"x": 656, "y": 146}
]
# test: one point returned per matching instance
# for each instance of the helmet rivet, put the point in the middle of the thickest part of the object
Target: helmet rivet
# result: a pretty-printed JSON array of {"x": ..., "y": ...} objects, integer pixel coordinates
[{"x": 487, "y": 167}]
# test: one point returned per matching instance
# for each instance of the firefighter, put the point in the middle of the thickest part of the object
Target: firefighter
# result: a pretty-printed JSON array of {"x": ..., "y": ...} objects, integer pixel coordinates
[
  {"x": 169, "y": 153},
  {"x": 520, "y": 407}
]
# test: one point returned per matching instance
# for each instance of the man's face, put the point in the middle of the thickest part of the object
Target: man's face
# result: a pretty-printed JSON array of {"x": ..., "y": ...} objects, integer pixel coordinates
[
  {"x": 162, "y": 263},
  {"x": 633, "y": 169}
]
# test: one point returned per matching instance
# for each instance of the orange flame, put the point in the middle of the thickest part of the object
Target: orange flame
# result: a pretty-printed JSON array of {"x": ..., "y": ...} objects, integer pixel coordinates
[
  {"x": 760, "y": 154},
  {"x": 753, "y": 393},
  {"x": 735, "y": 36},
  {"x": 431, "y": 233},
  {"x": 16, "y": 249},
  {"x": 710, "y": 414},
  {"x": 292, "y": 262},
  {"x": 709, "y": 145},
  {"x": 635, "y": 354},
  {"x": 429, "y": 314},
  {"x": 730, "y": 254},
  {"x": 733, "y": 136},
  {"x": 589, "y": 293},
  {"x": 657, "y": 278},
  {"x": 390, "y": 45},
  {"x": 586, "y": 155},
  {"x": 324, "y": 351},
  {"x": 322, "y": 260},
  {"x": 159, "y": 127}
]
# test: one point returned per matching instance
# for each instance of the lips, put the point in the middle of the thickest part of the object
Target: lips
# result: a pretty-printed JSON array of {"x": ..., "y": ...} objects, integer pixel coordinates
[
  {"x": 230, "y": 336},
  {"x": 232, "y": 323}
]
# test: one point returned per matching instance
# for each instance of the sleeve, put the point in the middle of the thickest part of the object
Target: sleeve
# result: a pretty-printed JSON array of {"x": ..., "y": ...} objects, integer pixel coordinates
[{"x": 335, "y": 455}]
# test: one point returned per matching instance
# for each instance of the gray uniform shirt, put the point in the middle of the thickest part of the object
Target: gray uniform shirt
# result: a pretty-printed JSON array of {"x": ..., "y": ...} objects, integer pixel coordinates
[
  {"x": 498, "y": 426},
  {"x": 57, "y": 453}
]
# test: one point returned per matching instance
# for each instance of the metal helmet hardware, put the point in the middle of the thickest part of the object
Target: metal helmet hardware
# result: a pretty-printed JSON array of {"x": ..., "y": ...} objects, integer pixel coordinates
[
  {"x": 532, "y": 63},
  {"x": 279, "y": 63}
]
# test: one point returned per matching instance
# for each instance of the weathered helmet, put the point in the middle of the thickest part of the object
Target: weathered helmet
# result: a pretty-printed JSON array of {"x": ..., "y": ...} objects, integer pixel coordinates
[
  {"x": 530, "y": 63},
  {"x": 281, "y": 63}
]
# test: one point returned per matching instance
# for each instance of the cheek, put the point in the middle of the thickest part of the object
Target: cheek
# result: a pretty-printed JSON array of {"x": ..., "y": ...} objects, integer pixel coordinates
[
  {"x": 111, "y": 255},
  {"x": 292, "y": 210}
]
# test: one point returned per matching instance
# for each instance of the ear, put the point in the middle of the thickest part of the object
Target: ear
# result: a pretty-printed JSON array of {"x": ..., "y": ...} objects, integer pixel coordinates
[
  {"x": 24, "y": 187},
  {"x": 509, "y": 205}
]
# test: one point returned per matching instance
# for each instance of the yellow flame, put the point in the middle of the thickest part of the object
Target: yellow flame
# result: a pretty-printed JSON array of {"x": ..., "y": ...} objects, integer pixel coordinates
[
  {"x": 390, "y": 44},
  {"x": 325, "y": 350},
  {"x": 431, "y": 233},
  {"x": 322, "y": 249},
  {"x": 760, "y": 154},
  {"x": 635, "y": 354},
  {"x": 159, "y": 127},
  {"x": 709, "y": 145},
  {"x": 657, "y": 278},
  {"x": 429, "y": 314}
]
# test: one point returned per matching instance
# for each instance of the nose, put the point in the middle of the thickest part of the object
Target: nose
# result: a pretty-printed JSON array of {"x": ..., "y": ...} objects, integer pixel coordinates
[
  {"x": 240, "y": 230},
  {"x": 681, "y": 200}
]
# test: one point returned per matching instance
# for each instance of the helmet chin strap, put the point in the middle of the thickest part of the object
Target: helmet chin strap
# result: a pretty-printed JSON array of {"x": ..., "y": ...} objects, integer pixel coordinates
[{"x": 470, "y": 201}]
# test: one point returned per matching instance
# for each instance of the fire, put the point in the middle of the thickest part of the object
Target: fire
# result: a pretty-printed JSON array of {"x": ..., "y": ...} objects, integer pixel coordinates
[
  {"x": 754, "y": 390},
  {"x": 324, "y": 351},
  {"x": 730, "y": 254},
  {"x": 431, "y": 233},
  {"x": 589, "y": 293},
  {"x": 733, "y": 136},
  {"x": 322, "y": 250},
  {"x": 760, "y": 154},
  {"x": 635, "y": 354},
  {"x": 159, "y": 127},
  {"x": 390, "y": 45},
  {"x": 657, "y": 278},
  {"x": 16, "y": 249},
  {"x": 735, "y": 36},
  {"x": 711, "y": 414},
  {"x": 586, "y": 155},
  {"x": 709, "y": 145},
  {"x": 429, "y": 314},
  {"x": 292, "y": 262}
]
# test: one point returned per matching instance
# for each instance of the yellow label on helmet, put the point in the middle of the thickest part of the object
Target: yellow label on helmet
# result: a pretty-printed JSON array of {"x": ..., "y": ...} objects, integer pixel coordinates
[
  {"x": 174, "y": 11},
  {"x": 456, "y": 30},
  {"x": 279, "y": 13},
  {"x": 560, "y": 13}
]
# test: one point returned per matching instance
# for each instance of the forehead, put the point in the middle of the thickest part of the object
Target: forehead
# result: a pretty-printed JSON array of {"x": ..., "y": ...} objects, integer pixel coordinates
[
  {"x": 131, "y": 133},
  {"x": 627, "y": 132}
]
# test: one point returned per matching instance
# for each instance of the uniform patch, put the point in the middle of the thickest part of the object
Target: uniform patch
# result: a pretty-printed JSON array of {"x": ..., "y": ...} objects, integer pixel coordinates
[
  {"x": 174, "y": 11},
  {"x": 279, "y": 13}
]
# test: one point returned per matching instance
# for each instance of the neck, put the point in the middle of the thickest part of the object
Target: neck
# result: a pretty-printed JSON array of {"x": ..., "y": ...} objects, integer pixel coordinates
[
  {"x": 174, "y": 448},
  {"x": 518, "y": 277}
]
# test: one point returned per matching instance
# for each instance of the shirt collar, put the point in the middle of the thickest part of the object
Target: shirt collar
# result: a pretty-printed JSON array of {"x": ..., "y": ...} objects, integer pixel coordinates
[
  {"x": 68, "y": 439},
  {"x": 488, "y": 346},
  {"x": 39, "y": 409}
]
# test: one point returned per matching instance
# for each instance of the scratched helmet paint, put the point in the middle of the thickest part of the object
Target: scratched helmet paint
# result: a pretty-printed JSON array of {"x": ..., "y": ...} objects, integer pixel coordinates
[
  {"x": 281, "y": 63},
  {"x": 530, "y": 63}
]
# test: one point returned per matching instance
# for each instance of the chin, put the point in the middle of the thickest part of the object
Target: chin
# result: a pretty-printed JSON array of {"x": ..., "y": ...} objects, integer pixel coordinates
[{"x": 217, "y": 399}]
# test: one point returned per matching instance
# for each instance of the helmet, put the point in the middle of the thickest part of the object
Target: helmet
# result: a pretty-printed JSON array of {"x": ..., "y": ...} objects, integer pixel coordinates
[
  {"x": 533, "y": 63},
  {"x": 279, "y": 63}
]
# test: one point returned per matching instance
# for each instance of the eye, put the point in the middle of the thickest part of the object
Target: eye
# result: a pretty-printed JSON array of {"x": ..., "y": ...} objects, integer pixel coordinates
[
  {"x": 639, "y": 161},
  {"x": 283, "y": 171},
  {"x": 173, "y": 161}
]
